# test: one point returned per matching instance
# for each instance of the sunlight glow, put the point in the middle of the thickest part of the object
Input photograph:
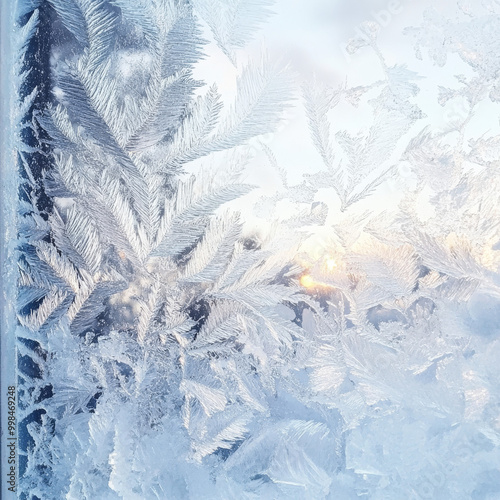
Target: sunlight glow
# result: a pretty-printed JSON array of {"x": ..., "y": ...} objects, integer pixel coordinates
[
  {"x": 306, "y": 281},
  {"x": 331, "y": 264}
]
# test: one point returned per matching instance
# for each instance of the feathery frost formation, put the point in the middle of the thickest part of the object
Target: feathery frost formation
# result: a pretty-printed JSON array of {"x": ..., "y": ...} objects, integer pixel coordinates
[{"x": 162, "y": 354}]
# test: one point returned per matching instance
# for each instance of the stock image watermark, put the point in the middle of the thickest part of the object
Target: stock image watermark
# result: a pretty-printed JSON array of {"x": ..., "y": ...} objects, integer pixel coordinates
[
  {"x": 438, "y": 474},
  {"x": 363, "y": 33},
  {"x": 11, "y": 440}
]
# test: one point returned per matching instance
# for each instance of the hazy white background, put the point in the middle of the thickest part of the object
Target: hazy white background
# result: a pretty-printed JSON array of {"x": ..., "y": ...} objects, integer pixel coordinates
[{"x": 310, "y": 36}]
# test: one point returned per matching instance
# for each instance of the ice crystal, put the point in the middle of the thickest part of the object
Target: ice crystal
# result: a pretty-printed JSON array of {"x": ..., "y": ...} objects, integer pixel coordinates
[{"x": 165, "y": 353}]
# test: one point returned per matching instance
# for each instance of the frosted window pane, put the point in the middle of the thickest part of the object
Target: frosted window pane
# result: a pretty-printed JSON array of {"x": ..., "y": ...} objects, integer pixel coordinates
[{"x": 250, "y": 249}]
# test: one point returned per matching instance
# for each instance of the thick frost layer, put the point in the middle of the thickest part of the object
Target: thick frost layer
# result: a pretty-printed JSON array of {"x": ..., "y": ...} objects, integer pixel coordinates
[{"x": 166, "y": 353}]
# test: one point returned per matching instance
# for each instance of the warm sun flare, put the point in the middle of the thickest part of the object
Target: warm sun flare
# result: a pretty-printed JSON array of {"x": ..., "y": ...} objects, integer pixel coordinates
[
  {"x": 331, "y": 264},
  {"x": 306, "y": 281}
]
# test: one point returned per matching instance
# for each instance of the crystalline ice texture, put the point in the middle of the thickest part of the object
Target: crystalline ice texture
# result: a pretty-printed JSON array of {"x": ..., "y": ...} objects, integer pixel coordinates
[{"x": 162, "y": 351}]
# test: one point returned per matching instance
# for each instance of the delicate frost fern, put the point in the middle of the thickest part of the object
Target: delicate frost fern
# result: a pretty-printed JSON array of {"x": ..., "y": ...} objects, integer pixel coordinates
[
  {"x": 366, "y": 160},
  {"x": 233, "y": 22},
  {"x": 164, "y": 355},
  {"x": 117, "y": 270}
]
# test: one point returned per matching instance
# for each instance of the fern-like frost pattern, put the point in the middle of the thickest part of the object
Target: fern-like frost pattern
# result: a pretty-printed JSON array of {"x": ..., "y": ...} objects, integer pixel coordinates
[{"x": 166, "y": 352}]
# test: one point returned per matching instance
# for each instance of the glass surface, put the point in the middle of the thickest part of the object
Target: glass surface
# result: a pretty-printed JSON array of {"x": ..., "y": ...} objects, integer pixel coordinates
[{"x": 250, "y": 249}]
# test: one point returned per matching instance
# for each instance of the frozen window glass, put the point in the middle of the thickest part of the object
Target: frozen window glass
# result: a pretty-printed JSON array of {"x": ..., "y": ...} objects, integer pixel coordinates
[{"x": 250, "y": 249}]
